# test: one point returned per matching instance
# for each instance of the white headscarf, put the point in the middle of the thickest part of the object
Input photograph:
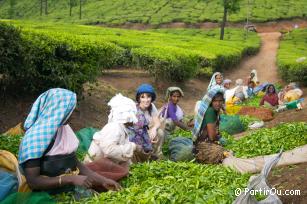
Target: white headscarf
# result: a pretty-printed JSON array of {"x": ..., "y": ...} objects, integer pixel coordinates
[
  {"x": 255, "y": 78},
  {"x": 239, "y": 82},
  {"x": 123, "y": 110},
  {"x": 213, "y": 83}
]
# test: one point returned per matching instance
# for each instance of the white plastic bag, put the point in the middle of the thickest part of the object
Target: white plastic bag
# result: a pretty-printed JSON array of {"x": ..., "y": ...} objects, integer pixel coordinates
[{"x": 260, "y": 183}]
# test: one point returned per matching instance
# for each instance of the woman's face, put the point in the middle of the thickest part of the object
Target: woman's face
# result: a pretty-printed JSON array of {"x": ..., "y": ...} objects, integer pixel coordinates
[
  {"x": 227, "y": 85},
  {"x": 271, "y": 89},
  {"x": 175, "y": 97},
  {"x": 145, "y": 100},
  {"x": 217, "y": 102},
  {"x": 219, "y": 79}
]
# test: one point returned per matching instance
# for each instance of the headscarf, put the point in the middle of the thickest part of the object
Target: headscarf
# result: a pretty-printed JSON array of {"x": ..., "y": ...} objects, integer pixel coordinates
[
  {"x": 123, "y": 110},
  {"x": 239, "y": 82},
  {"x": 255, "y": 78},
  {"x": 146, "y": 88},
  {"x": 293, "y": 85},
  {"x": 213, "y": 83},
  {"x": 204, "y": 105},
  {"x": 226, "y": 81},
  {"x": 171, "y": 90},
  {"x": 49, "y": 112}
]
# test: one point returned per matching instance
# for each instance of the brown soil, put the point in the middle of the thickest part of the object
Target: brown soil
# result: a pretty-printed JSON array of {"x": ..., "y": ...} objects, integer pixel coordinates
[
  {"x": 272, "y": 26},
  {"x": 290, "y": 178},
  {"x": 92, "y": 110},
  {"x": 264, "y": 62}
]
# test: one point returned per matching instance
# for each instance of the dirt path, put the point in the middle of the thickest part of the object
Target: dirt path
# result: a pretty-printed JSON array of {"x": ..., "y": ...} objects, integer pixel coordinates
[
  {"x": 272, "y": 26},
  {"x": 264, "y": 62},
  {"x": 92, "y": 111},
  {"x": 93, "y": 108}
]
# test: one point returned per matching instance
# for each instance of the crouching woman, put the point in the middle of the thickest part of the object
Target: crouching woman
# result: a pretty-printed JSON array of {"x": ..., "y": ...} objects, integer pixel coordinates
[
  {"x": 47, "y": 151},
  {"x": 206, "y": 128},
  {"x": 110, "y": 152}
]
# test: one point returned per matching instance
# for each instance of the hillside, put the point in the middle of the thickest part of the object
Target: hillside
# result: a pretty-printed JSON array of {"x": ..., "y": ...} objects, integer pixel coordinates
[{"x": 151, "y": 12}]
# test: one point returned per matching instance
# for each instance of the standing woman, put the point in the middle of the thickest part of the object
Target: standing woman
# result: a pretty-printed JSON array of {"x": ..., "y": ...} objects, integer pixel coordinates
[
  {"x": 146, "y": 129},
  {"x": 253, "y": 78},
  {"x": 206, "y": 128},
  {"x": 47, "y": 151}
]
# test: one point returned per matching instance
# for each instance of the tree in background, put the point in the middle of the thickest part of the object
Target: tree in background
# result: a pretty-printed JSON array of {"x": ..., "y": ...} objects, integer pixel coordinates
[
  {"x": 42, "y": 7},
  {"x": 72, "y": 3},
  {"x": 80, "y": 14},
  {"x": 46, "y": 7},
  {"x": 41, "y": 1},
  {"x": 230, "y": 6},
  {"x": 12, "y": 8}
]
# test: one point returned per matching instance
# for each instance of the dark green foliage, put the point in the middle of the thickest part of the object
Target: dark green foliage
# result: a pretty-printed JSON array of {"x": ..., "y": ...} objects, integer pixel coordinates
[
  {"x": 11, "y": 56},
  {"x": 292, "y": 56},
  {"x": 270, "y": 140},
  {"x": 170, "y": 182},
  {"x": 10, "y": 143},
  {"x": 37, "y": 61}
]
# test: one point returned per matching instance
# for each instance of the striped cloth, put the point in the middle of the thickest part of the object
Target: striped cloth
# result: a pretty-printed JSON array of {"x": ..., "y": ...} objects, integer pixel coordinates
[
  {"x": 213, "y": 83},
  {"x": 50, "y": 110},
  {"x": 204, "y": 105}
]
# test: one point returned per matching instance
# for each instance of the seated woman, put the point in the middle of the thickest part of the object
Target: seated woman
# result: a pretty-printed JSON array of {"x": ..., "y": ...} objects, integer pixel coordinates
[
  {"x": 206, "y": 128},
  {"x": 112, "y": 141},
  {"x": 47, "y": 151},
  {"x": 146, "y": 129},
  {"x": 290, "y": 93},
  {"x": 172, "y": 112},
  {"x": 250, "y": 89},
  {"x": 227, "y": 84},
  {"x": 240, "y": 91},
  {"x": 270, "y": 99},
  {"x": 216, "y": 81}
]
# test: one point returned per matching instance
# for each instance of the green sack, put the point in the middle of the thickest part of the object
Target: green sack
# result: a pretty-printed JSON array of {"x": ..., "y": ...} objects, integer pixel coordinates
[
  {"x": 28, "y": 198},
  {"x": 231, "y": 124},
  {"x": 181, "y": 149},
  {"x": 85, "y": 137}
]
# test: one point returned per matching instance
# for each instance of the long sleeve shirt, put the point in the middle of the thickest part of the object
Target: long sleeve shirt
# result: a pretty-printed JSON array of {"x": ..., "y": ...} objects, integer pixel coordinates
[
  {"x": 270, "y": 98},
  {"x": 112, "y": 142}
]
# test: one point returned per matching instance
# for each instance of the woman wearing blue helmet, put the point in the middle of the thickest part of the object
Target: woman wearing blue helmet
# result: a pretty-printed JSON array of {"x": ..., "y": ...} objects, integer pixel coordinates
[{"x": 148, "y": 123}]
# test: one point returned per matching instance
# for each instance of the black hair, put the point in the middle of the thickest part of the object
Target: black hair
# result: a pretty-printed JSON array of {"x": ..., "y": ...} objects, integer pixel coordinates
[
  {"x": 171, "y": 93},
  {"x": 138, "y": 96},
  {"x": 219, "y": 94},
  {"x": 271, "y": 85}
]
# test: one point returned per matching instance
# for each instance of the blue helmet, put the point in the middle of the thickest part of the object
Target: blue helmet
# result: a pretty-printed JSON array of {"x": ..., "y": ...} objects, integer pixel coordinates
[{"x": 146, "y": 88}]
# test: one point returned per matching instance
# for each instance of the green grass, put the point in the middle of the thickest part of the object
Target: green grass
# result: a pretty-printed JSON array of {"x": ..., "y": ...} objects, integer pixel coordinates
[
  {"x": 172, "y": 54},
  {"x": 292, "y": 47},
  {"x": 188, "y": 182},
  {"x": 153, "y": 12},
  {"x": 170, "y": 182},
  {"x": 268, "y": 141}
]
